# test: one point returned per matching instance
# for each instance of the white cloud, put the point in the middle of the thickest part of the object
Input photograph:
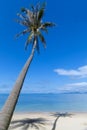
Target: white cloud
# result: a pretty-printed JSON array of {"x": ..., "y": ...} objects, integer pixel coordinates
[
  {"x": 73, "y": 87},
  {"x": 79, "y": 72},
  {"x": 81, "y": 84}
]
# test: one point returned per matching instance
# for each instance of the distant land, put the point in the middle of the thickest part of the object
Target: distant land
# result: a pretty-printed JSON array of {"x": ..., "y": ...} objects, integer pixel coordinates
[
  {"x": 77, "y": 92},
  {"x": 66, "y": 92}
]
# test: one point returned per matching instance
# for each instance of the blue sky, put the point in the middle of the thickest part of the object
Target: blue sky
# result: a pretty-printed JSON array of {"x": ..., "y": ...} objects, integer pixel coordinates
[{"x": 63, "y": 65}]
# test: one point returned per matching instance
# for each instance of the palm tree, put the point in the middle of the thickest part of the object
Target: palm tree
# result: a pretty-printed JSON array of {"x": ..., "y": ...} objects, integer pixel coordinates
[{"x": 32, "y": 20}]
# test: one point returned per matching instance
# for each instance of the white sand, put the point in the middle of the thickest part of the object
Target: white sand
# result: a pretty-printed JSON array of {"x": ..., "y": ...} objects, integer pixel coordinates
[{"x": 46, "y": 121}]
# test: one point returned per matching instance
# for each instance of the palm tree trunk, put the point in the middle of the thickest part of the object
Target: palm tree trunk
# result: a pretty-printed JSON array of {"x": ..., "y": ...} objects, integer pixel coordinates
[{"x": 9, "y": 107}]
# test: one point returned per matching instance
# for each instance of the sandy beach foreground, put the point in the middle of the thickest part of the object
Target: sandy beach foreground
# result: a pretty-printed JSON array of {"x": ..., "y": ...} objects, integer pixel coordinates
[{"x": 49, "y": 121}]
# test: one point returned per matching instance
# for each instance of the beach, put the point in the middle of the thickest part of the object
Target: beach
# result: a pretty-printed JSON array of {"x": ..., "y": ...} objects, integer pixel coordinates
[
  {"x": 49, "y": 112},
  {"x": 49, "y": 121}
]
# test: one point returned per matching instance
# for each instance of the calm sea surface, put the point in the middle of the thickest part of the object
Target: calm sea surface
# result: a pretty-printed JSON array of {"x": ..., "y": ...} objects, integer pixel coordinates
[{"x": 49, "y": 102}]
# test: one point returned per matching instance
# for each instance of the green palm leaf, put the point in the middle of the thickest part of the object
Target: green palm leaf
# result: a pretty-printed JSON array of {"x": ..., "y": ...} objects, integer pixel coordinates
[
  {"x": 44, "y": 29},
  {"x": 21, "y": 16},
  {"x": 29, "y": 14},
  {"x": 22, "y": 22},
  {"x": 41, "y": 12},
  {"x": 29, "y": 40},
  {"x": 42, "y": 39},
  {"x": 37, "y": 45},
  {"x": 22, "y": 33},
  {"x": 48, "y": 24}
]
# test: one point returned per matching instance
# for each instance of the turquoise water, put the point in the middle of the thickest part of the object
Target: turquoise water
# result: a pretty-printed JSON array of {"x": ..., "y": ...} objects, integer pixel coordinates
[{"x": 49, "y": 102}]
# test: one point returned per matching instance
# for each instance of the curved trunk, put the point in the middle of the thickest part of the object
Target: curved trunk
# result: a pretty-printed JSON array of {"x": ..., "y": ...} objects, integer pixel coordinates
[
  {"x": 55, "y": 122},
  {"x": 8, "y": 109}
]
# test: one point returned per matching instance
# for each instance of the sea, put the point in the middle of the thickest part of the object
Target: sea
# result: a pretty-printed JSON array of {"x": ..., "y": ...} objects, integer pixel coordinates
[{"x": 49, "y": 102}]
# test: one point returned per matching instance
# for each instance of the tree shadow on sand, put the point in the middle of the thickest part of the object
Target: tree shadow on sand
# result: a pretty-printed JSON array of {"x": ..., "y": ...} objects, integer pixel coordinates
[
  {"x": 25, "y": 124},
  {"x": 58, "y": 115}
]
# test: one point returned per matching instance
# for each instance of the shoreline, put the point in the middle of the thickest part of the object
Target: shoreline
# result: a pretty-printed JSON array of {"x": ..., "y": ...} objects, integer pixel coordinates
[
  {"x": 27, "y": 112},
  {"x": 49, "y": 121}
]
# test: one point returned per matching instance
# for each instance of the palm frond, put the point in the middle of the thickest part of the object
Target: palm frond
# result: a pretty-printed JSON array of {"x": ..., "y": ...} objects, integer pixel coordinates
[
  {"x": 41, "y": 12},
  {"x": 48, "y": 24},
  {"x": 37, "y": 45},
  {"x": 29, "y": 40},
  {"x": 44, "y": 29},
  {"x": 29, "y": 13},
  {"x": 21, "y": 16},
  {"x": 22, "y": 22},
  {"x": 37, "y": 6},
  {"x": 23, "y": 9},
  {"x": 32, "y": 7},
  {"x": 42, "y": 39},
  {"x": 22, "y": 33}
]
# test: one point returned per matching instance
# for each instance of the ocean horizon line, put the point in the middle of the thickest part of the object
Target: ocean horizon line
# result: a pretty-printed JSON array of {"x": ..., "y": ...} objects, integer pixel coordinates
[{"x": 75, "y": 92}]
